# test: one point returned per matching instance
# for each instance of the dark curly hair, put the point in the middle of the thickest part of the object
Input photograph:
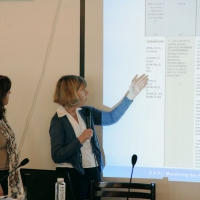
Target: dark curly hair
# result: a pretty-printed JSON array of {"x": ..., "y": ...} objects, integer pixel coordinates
[{"x": 5, "y": 85}]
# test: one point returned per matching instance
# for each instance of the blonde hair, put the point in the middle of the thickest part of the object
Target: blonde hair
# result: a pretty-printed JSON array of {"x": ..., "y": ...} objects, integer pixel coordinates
[{"x": 66, "y": 90}]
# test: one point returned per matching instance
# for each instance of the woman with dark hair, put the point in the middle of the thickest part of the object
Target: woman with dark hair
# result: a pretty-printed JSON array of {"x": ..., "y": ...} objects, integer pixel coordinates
[
  {"x": 74, "y": 146},
  {"x": 9, "y": 158}
]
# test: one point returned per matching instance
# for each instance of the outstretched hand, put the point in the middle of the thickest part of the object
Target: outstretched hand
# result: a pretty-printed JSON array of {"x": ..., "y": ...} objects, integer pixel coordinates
[{"x": 137, "y": 85}]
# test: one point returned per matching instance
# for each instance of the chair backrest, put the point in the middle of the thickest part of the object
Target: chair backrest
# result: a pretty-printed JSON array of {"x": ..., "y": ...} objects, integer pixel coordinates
[{"x": 121, "y": 189}]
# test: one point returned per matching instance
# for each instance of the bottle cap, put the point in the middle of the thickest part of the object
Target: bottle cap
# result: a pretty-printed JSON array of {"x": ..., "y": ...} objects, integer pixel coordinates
[{"x": 60, "y": 179}]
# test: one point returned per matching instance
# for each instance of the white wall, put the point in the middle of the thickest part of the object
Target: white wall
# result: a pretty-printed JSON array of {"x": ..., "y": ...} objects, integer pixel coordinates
[{"x": 39, "y": 42}]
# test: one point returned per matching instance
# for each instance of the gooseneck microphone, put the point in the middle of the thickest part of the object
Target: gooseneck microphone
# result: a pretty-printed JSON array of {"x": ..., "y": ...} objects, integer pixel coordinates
[
  {"x": 23, "y": 162},
  {"x": 88, "y": 118},
  {"x": 133, "y": 161}
]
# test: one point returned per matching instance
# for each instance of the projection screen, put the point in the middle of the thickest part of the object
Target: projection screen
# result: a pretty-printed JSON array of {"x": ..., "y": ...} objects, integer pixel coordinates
[{"x": 160, "y": 38}]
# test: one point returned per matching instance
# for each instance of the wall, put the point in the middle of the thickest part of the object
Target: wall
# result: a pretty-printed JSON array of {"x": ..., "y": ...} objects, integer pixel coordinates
[{"x": 39, "y": 42}]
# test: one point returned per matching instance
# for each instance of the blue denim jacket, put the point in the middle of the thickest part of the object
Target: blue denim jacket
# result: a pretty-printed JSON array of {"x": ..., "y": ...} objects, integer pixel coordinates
[{"x": 65, "y": 147}]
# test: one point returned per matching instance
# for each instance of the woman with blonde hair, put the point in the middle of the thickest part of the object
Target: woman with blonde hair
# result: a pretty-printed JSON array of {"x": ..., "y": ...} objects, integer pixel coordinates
[{"x": 74, "y": 146}]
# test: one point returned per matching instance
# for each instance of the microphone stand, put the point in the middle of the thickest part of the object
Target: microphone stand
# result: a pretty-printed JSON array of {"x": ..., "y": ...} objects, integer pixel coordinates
[
  {"x": 130, "y": 183},
  {"x": 133, "y": 160},
  {"x": 24, "y": 162},
  {"x": 9, "y": 173}
]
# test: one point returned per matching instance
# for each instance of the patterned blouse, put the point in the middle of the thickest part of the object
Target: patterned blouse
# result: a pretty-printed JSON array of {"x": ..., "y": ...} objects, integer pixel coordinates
[{"x": 12, "y": 157}]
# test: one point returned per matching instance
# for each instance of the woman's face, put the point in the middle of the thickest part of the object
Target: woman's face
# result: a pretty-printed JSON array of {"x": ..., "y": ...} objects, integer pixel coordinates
[
  {"x": 82, "y": 94},
  {"x": 6, "y": 98}
]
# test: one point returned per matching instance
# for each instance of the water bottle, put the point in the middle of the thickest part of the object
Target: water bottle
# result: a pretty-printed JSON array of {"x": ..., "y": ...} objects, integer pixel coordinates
[{"x": 60, "y": 189}]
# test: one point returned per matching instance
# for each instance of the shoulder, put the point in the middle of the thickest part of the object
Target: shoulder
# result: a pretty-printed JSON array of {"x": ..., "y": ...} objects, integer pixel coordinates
[
  {"x": 56, "y": 118},
  {"x": 59, "y": 120}
]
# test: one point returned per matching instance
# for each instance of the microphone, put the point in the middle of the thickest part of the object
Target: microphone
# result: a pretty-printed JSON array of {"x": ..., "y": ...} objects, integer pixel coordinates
[
  {"x": 133, "y": 160},
  {"x": 22, "y": 163},
  {"x": 88, "y": 118}
]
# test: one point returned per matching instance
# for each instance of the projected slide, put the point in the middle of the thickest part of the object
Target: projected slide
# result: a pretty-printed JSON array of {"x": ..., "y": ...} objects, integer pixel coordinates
[{"x": 160, "y": 38}]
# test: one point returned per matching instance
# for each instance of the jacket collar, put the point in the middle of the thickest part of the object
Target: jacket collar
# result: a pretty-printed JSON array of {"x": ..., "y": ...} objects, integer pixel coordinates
[{"x": 62, "y": 112}]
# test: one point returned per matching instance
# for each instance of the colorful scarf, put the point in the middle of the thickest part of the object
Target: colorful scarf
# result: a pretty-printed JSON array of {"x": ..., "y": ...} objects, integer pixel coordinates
[{"x": 13, "y": 157}]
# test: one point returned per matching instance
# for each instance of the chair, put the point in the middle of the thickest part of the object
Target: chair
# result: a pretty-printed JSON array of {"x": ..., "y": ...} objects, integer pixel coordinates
[{"x": 120, "y": 189}]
